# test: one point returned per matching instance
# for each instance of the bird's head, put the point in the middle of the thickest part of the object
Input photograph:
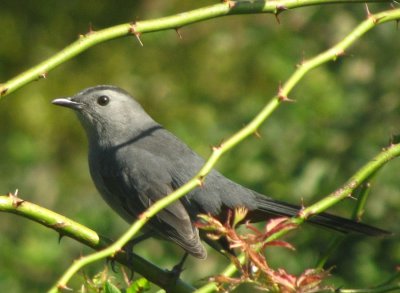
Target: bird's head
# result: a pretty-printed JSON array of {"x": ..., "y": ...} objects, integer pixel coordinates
[{"x": 106, "y": 112}]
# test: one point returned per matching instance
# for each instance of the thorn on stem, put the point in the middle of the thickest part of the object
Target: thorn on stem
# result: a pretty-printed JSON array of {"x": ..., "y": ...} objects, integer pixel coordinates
[
  {"x": 278, "y": 10},
  {"x": 3, "y": 91},
  {"x": 303, "y": 59},
  {"x": 200, "y": 181},
  {"x": 43, "y": 75},
  {"x": 60, "y": 236},
  {"x": 367, "y": 10},
  {"x": 338, "y": 53},
  {"x": 277, "y": 18},
  {"x": 231, "y": 4},
  {"x": 117, "y": 251},
  {"x": 91, "y": 30},
  {"x": 16, "y": 202},
  {"x": 302, "y": 203},
  {"x": 178, "y": 32},
  {"x": 143, "y": 216},
  {"x": 283, "y": 97},
  {"x": 257, "y": 134},
  {"x": 216, "y": 148},
  {"x": 302, "y": 214},
  {"x": 369, "y": 15},
  {"x": 352, "y": 197},
  {"x": 137, "y": 34},
  {"x": 64, "y": 287}
]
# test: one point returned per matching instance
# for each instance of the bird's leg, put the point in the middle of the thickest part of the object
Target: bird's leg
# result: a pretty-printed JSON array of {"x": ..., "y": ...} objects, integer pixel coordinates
[
  {"x": 128, "y": 248},
  {"x": 178, "y": 268}
]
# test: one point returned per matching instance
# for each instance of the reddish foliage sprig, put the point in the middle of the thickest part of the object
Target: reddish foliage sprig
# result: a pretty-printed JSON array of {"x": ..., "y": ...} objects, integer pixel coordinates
[{"x": 255, "y": 268}]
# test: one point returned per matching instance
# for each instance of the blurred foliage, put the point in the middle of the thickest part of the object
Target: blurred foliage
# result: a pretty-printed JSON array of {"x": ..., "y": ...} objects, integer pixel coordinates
[{"x": 203, "y": 88}]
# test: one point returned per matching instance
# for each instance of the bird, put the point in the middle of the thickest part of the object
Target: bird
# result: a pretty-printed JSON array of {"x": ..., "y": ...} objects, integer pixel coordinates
[{"x": 134, "y": 161}]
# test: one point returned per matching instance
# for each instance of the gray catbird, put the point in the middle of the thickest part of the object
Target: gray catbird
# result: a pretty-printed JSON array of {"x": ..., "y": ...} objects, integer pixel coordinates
[{"x": 134, "y": 162}]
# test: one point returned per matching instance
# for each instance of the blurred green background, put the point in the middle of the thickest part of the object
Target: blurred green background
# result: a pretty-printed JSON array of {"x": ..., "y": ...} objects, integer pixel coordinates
[{"x": 203, "y": 87}]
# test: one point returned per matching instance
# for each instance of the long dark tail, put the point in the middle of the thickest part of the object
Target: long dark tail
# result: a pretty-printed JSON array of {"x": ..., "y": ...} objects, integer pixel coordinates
[{"x": 268, "y": 207}]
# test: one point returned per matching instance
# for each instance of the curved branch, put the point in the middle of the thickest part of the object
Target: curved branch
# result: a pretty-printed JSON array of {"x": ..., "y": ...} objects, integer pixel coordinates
[
  {"x": 176, "y": 21},
  {"x": 67, "y": 227}
]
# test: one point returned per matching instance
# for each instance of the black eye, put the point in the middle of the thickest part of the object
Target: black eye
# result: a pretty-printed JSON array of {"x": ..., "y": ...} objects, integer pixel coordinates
[{"x": 103, "y": 100}]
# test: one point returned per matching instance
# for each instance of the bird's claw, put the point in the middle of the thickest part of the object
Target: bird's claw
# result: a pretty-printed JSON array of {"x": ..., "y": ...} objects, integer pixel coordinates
[{"x": 178, "y": 269}]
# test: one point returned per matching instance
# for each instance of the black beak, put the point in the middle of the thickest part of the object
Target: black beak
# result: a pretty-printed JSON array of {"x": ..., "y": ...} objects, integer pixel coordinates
[{"x": 67, "y": 102}]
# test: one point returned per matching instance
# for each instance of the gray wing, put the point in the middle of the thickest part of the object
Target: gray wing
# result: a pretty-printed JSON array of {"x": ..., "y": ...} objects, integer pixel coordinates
[
  {"x": 217, "y": 192},
  {"x": 143, "y": 178}
]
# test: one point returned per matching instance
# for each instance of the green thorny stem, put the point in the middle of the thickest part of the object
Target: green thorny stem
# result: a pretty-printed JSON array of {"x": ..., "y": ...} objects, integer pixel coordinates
[
  {"x": 66, "y": 227},
  {"x": 362, "y": 194},
  {"x": 175, "y": 22},
  {"x": 331, "y": 54}
]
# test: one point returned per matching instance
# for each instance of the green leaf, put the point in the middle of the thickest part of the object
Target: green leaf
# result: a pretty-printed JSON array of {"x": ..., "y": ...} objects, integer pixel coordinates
[
  {"x": 110, "y": 288},
  {"x": 140, "y": 285}
]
